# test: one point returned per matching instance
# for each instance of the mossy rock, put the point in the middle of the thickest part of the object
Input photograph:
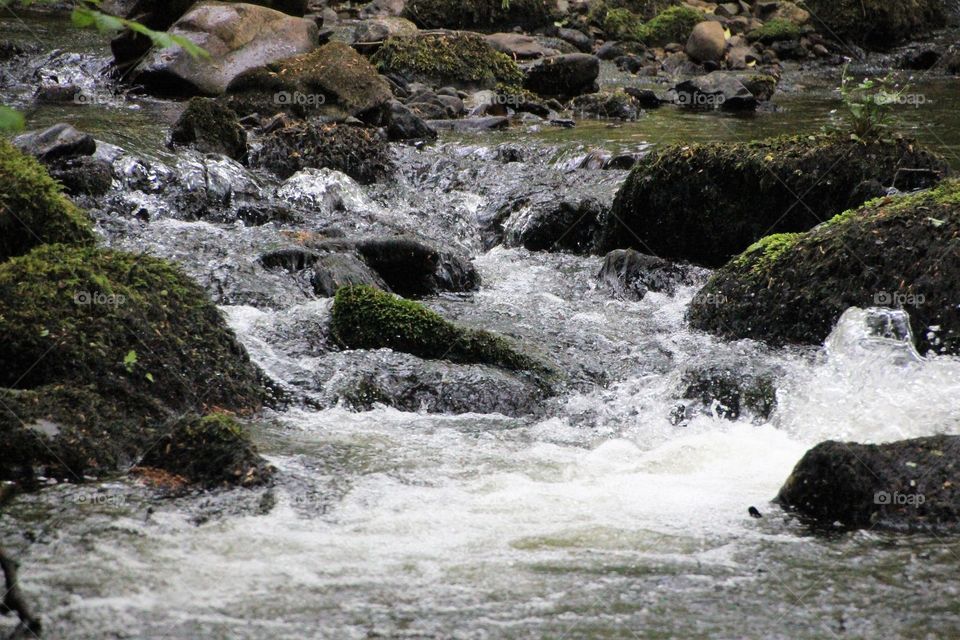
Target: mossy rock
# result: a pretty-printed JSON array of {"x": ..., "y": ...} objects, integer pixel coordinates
[
  {"x": 673, "y": 24},
  {"x": 367, "y": 318},
  {"x": 705, "y": 203},
  {"x": 210, "y": 127},
  {"x": 84, "y": 315},
  {"x": 333, "y": 81},
  {"x": 461, "y": 59},
  {"x": 33, "y": 211},
  {"x": 792, "y": 288},
  {"x": 616, "y": 104},
  {"x": 361, "y": 153},
  {"x": 212, "y": 450},
  {"x": 775, "y": 31},
  {"x": 878, "y": 24},
  {"x": 482, "y": 14}
]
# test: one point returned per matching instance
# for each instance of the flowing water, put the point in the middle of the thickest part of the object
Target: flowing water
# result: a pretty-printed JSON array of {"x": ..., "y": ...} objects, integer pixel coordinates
[{"x": 598, "y": 515}]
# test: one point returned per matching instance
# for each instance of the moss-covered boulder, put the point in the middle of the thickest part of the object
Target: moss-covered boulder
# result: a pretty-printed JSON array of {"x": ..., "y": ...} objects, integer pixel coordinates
[
  {"x": 774, "y": 31},
  {"x": 87, "y": 315},
  {"x": 673, "y": 24},
  {"x": 481, "y": 14},
  {"x": 210, "y": 127},
  {"x": 334, "y": 81},
  {"x": 211, "y": 450},
  {"x": 32, "y": 209},
  {"x": 879, "y": 24},
  {"x": 461, "y": 59},
  {"x": 644, "y": 9},
  {"x": 705, "y": 203},
  {"x": 897, "y": 251},
  {"x": 367, "y": 318},
  {"x": 361, "y": 153},
  {"x": 904, "y": 485}
]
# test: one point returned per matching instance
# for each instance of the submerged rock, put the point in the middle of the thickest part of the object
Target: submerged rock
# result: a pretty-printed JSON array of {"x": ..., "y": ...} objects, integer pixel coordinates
[
  {"x": 564, "y": 75},
  {"x": 210, "y": 127},
  {"x": 237, "y": 36},
  {"x": 731, "y": 390},
  {"x": 631, "y": 274},
  {"x": 894, "y": 252},
  {"x": 905, "y": 485},
  {"x": 367, "y": 318},
  {"x": 414, "y": 268},
  {"x": 705, "y": 203},
  {"x": 56, "y": 142}
]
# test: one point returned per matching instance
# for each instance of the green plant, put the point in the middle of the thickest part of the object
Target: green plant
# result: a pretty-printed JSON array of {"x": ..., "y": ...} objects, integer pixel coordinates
[{"x": 868, "y": 104}]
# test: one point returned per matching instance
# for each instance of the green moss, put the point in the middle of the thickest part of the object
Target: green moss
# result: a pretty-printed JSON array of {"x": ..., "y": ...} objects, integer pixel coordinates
[
  {"x": 33, "y": 211},
  {"x": 672, "y": 25},
  {"x": 775, "y": 31},
  {"x": 484, "y": 14},
  {"x": 763, "y": 254},
  {"x": 211, "y": 127},
  {"x": 95, "y": 316},
  {"x": 622, "y": 24},
  {"x": 643, "y": 9},
  {"x": 368, "y": 318},
  {"x": 464, "y": 59},
  {"x": 879, "y": 24}
]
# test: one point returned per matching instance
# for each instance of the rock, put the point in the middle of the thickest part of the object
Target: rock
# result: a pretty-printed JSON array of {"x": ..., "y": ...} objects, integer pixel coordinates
[
  {"x": 618, "y": 105},
  {"x": 707, "y": 42},
  {"x": 446, "y": 58},
  {"x": 903, "y": 485},
  {"x": 671, "y": 25},
  {"x": 403, "y": 124},
  {"x": 210, "y": 127},
  {"x": 237, "y": 36},
  {"x": 705, "y": 203},
  {"x": 367, "y": 318},
  {"x": 379, "y": 29},
  {"x": 212, "y": 450},
  {"x": 413, "y": 268},
  {"x": 877, "y": 24},
  {"x": 716, "y": 90},
  {"x": 895, "y": 251},
  {"x": 334, "y": 270},
  {"x": 920, "y": 59},
  {"x": 58, "y": 141},
  {"x": 578, "y": 39},
  {"x": 334, "y": 81},
  {"x": 731, "y": 390},
  {"x": 519, "y": 46},
  {"x": 630, "y": 274},
  {"x": 646, "y": 98},
  {"x": 360, "y": 153},
  {"x": 774, "y": 31},
  {"x": 85, "y": 175},
  {"x": 34, "y": 211},
  {"x": 488, "y": 14},
  {"x": 564, "y": 75},
  {"x": 471, "y": 125},
  {"x": 788, "y": 12}
]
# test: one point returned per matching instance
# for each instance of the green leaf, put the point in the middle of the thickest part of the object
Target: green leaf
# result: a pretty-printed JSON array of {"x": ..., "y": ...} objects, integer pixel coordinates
[
  {"x": 149, "y": 376},
  {"x": 130, "y": 360}
]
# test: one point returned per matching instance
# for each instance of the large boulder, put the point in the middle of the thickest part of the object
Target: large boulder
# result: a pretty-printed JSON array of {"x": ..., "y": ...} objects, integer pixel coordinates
[
  {"x": 705, "y": 203},
  {"x": 32, "y": 209},
  {"x": 716, "y": 90},
  {"x": 361, "y": 153},
  {"x": 707, "y": 42},
  {"x": 447, "y": 58},
  {"x": 484, "y": 14},
  {"x": 904, "y": 485},
  {"x": 238, "y": 37},
  {"x": 56, "y": 142},
  {"x": 878, "y": 24},
  {"x": 334, "y": 81},
  {"x": 896, "y": 252},
  {"x": 565, "y": 75},
  {"x": 367, "y": 318}
]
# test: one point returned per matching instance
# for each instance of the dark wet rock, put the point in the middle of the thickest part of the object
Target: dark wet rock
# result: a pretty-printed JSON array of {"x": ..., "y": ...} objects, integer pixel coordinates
[
  {"x": 920, "y": 59},
  {"x": 903, "y": 485},
  {"x": 334, "y": 270},
  {"x": 577, "y": 38},
  {"x": 210, "y": 127},
  {"x": 631, "y": 274},
  {"x": 792, "y": 288},
  {"x": 56, "y": 142},
  {"x": 83, "y": 176},
  {"x": 408, "y": 383},
  {"x": 705, "y": 203},
  {"x": 413, "y": 268},
  {"x": 447, "y": 58},
  {"x": 34, "y": 211},
  {"x": 403, "y": 124},
  {"x": 564, "y": 75},
  {"x": 731, "y": 391},
  {"x": 334, "y": 81},
  {"x": 716, "y": 90},
  {"x": 646, "y": 98},
  {"x": 291, "y": 259},
  {"x": 485, "y": 14},
  {"x": 212, "y": 450},
  {"x": 360, "y": 153},
  {"x": 57, "y": 94},
  {"x": 618, "y": 105},
  {"x": 367, "y": 318},
  {"x": 889, "y": 23},
  {"x": 238, "y": 37}
]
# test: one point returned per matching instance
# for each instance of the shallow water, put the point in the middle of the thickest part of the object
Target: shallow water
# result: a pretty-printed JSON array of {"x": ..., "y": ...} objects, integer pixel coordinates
[{"x": 596, "y": 518}]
